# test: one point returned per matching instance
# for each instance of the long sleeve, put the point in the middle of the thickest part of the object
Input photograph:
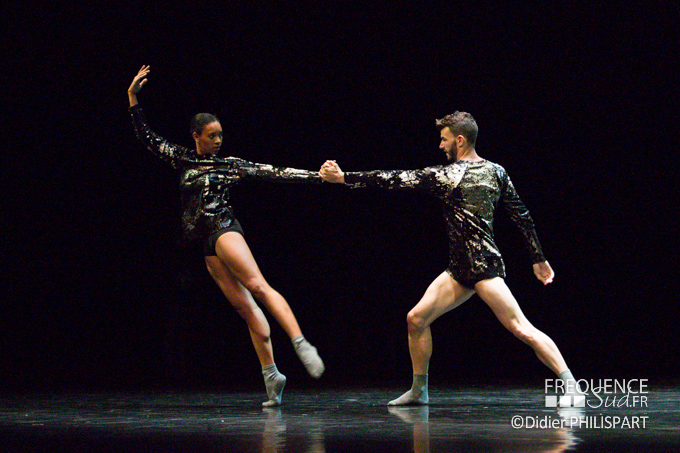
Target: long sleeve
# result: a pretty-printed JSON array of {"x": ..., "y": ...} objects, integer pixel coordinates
[
  {"x": 159, "y": 146},
  {"x": 438, "y": 180},
  {"x": 519, "y": 214},
  {"x": 275, "y": 174}
]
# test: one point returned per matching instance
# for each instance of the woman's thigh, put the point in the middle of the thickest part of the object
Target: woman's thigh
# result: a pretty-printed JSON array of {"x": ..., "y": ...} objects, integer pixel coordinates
[{"x": 233, "y": 251}]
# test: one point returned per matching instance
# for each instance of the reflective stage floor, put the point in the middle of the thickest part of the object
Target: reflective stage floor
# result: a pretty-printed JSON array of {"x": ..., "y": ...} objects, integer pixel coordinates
[{"x": 457, "y": 420}]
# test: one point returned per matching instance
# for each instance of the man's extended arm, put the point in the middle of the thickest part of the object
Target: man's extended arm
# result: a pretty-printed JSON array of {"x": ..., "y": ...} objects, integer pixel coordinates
[{"x": 437, "y": 180}]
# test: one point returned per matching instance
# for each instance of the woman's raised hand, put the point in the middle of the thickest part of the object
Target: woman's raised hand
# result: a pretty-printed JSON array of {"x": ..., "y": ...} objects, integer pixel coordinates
[{"x": 137, "y": 83}]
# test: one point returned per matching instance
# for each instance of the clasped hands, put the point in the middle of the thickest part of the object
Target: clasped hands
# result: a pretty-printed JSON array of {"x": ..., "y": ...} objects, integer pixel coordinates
[{"x": 331, "y": 172}]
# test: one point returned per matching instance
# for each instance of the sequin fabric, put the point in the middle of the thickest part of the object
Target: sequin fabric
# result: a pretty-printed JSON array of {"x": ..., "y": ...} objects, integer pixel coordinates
[
  {"x": 470, "y": 193},
  {"x": 205, "y": 180}
]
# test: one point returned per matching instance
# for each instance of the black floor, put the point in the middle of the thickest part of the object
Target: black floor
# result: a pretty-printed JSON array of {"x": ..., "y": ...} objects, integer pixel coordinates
[{"x": 457, "y": 420}]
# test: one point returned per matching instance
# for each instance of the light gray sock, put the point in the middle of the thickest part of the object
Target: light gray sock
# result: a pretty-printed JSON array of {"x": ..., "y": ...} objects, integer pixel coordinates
[
  {"x": 274, "y": 382},
  {"x": 308, "y": 356},
  {"x": 569, "y": 383},
  {"x": 416, "y": 396},
  {"x": 566, "y": 374}
]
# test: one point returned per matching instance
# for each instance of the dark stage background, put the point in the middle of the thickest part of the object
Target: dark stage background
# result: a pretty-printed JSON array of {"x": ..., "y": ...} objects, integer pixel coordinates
[{"x": 577, "y": 104}]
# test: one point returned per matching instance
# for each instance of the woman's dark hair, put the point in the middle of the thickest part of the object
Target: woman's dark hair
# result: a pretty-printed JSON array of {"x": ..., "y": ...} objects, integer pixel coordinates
[
  {"x": 460, "y": 123},
  {"x": 200, "y": 120}
]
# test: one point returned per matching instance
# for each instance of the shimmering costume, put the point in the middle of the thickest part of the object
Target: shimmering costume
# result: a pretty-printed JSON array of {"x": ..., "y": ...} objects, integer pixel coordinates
[
  {"x": 205, "y": 180},
  {"x": 470, "y": 192}
]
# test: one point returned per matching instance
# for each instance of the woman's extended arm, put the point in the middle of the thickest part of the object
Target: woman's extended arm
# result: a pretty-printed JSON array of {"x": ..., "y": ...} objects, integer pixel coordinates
[{"x": 277, "y": 174}]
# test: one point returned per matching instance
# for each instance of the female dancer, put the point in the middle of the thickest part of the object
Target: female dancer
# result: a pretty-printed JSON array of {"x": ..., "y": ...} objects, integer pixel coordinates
[{"x": 205, "y": 181}]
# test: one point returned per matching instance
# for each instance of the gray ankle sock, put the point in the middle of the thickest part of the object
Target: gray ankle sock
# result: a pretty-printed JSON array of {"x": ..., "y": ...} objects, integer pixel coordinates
[
  {"x": 308, "y": 356},
  {"x": 417, "y": 395},
  {"x": 570, "y": 387},
  {"x": 274, "y": 382}
]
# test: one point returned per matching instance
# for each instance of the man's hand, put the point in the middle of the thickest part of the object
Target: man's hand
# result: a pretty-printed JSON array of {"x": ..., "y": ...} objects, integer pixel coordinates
[
  {"x": 137, "y": 83},
  {"x": 331, "y": 172},
  {"x": 544, "y": 272}
]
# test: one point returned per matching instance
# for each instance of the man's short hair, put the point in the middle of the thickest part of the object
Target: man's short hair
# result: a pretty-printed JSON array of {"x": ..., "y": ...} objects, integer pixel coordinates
[{"x": 460, "y": 123}]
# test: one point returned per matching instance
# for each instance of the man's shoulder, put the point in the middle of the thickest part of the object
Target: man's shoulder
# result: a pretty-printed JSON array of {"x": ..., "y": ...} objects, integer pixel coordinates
[
  {"x": 450, "y": 168},
  {"x": 494, "y": 164},
  {"x": 498, "y": 168}
]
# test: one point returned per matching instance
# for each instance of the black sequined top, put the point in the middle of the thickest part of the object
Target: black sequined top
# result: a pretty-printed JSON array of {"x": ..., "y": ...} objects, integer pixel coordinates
[
  {"x": 205, "y": 180},
  {"x": 470, "y": 192}
]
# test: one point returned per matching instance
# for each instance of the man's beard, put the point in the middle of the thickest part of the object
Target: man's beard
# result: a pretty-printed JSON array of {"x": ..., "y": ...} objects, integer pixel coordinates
[{"x": 451, "y": 155}]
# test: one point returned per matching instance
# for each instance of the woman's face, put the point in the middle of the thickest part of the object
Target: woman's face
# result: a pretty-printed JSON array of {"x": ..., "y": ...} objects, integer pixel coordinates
[{"x": 210, "y": 140}]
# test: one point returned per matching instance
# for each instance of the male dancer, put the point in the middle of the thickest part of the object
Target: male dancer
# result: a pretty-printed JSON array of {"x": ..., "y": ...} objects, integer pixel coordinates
[{"x": 470, "y": 188}]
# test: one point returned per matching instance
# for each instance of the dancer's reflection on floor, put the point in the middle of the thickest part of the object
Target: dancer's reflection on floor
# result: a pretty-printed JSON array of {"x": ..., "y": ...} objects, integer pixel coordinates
[
  {"x": 543, "y": 441},
  {"x": 273, "y": 431},
  {"x": 274, "y": 434},
  {"x": 419, "y": 417}
]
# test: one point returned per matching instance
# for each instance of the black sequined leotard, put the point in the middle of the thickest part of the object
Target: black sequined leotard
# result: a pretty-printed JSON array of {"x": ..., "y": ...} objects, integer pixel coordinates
[
  {"x": 470, "y": 192},
  {"x": 205, "y": 179}
]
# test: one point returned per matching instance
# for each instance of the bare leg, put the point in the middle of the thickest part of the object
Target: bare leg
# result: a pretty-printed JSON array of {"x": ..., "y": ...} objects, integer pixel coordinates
[
  {"x": 257, "y": 324},
  {"x": 443, "y": 294},
  {"x": 233, "y": 251},
  {"x": 498, "y": 297},
  {"x": 245, "y": 306}
]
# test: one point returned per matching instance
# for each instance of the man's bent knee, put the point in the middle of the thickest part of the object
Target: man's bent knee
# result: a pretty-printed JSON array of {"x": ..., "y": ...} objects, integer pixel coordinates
[
  {"x": 524, "y": 334},
  {"x": 415, "y": 322}
]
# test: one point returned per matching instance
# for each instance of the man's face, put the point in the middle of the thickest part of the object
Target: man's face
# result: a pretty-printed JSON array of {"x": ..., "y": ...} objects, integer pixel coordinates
[{"x": 448, "y": 144}]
